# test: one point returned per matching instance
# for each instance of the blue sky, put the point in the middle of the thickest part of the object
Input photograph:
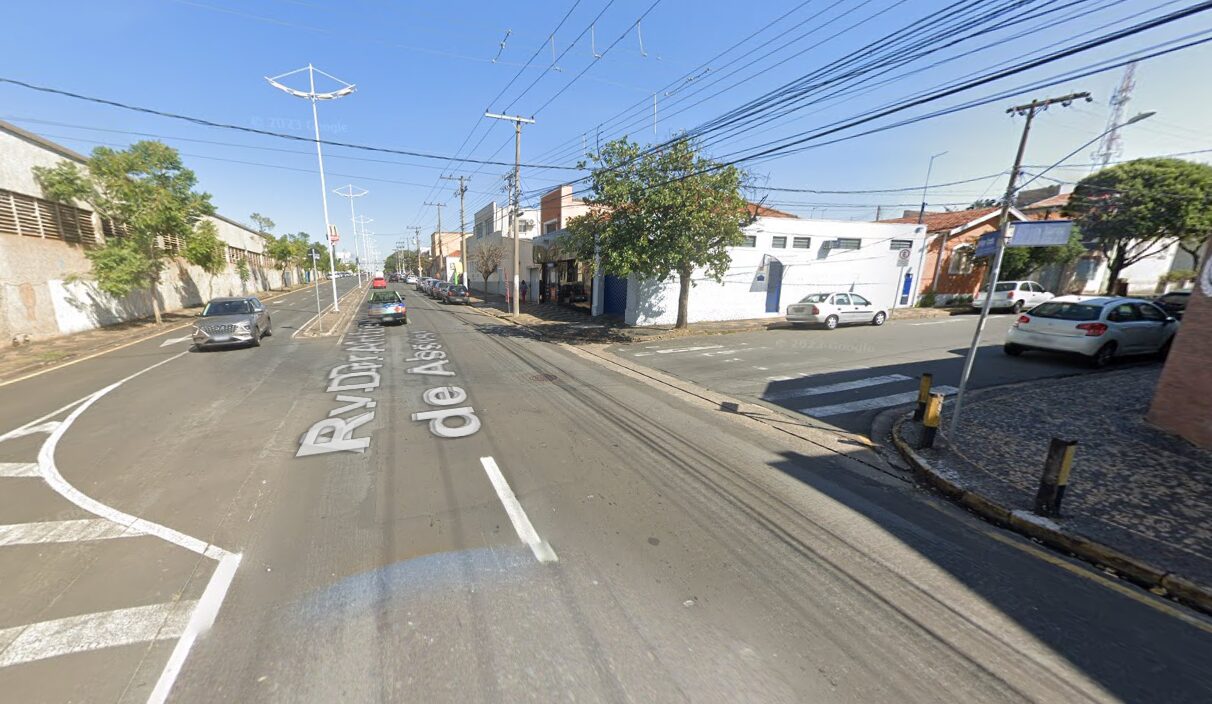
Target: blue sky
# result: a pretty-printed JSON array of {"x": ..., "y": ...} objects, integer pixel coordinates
[{"x": 425, "y": 73}]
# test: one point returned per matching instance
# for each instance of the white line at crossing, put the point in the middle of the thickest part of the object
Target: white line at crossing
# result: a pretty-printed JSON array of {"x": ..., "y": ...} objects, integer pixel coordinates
[
  {"x": 106, "y": 629},
  {"x": 63, "y": 531},
  {"x": 18, "y": 469},
  {"x": 869, "y": 404},
  {"x": 834, "y": 388}
]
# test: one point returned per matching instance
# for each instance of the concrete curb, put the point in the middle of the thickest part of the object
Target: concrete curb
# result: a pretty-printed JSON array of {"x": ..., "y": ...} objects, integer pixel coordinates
[{"x": 1053, "y": 535}]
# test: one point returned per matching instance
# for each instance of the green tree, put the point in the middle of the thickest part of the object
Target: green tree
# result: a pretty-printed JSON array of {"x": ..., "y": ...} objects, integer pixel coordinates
[
  {"x": 264, "y": 224},
  {"x": 486, "y": 258},
  {"x": 657, "y": 213},
  {"x": 149, "y": 195},
  {"x": 205, "y": 249},
  {"x": 1140, "y": 208},
  {"x": 1021, "y": 262},
  {"x": 982, "y": 203}
]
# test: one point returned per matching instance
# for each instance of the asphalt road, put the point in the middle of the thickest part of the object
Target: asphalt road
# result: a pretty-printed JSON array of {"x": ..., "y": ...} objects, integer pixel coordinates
[
  {"x": 844, "y": 378},
  {"x": 576, "y": 535}
]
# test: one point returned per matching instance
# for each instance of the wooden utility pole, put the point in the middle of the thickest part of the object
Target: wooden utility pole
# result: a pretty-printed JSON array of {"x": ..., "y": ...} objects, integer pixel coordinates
[
  {"x": 438, "y": 236},
  {"x": 516, "y": 205},
  {"x": 462, "y": 189}
]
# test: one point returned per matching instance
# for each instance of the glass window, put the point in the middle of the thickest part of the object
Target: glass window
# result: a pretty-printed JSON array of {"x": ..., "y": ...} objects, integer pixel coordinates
[
  {"x": 901, "y": 244},
  {"x": 961, "y": 261},
  {"x": 1003, "y": 286},
  {"x": 801, "y": 243},
  {"x": 841, "y": 299},
  {"x": 1148, "y": 311},
  {"x": 227, "y": 308},
  {"x": 859, "y": 300},
  {"x": 778, "y": 242},
  {"x": 815, "y": 298},
  {"x": 848, "y": 243},
  {"x": 1124, "y": 313},
  {"x": 750, "y": 241},
  {"x": 1061, "y": 310}
]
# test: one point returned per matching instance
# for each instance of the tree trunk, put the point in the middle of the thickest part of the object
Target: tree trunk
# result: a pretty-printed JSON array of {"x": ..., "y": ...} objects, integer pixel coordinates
[
  {"x": 683, "y": 296},
  {"x": 155, "y": 302},
  {"x": 1114, "y": 267}
]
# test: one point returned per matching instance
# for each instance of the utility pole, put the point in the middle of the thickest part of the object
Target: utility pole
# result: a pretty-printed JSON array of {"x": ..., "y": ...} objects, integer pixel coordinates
[
  {"x": 515, "y": 309},
  {"x": 462, "y": 189},
  {"x": 438, "y": 236},
  {"x": 351, "y": 191},
  {"x": 315, "y": 256},
  {"x": 360, "y": 234},
  {"x": 417, "y": 234},
  {"x": 921, "y": 215},
  {"x": 1029, "y": 111},
  {"x": 313, "y": 96}
]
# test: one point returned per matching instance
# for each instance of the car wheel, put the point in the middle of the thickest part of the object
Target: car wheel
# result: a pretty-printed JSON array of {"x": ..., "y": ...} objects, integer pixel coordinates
[
  {"x": 1017, "y": 307},
  {"x": 1012, "y": 349},
  {"x": 1103, "y": 356},
  {"x": 255, "y": 341},
  {"x": 879, "y": 319},
  {"x": 831, "y": 322},
  {"x": 269, "y": 331}
]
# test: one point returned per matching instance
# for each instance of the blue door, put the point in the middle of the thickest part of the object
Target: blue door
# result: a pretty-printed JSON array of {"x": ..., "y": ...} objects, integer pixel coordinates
[
  {"x": 774, "y": 285},
  {"x": 614, "y": 296}
]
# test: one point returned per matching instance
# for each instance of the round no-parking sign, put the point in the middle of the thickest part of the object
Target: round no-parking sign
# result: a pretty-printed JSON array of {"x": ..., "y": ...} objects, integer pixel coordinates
[{"x": 902, "y": 257}]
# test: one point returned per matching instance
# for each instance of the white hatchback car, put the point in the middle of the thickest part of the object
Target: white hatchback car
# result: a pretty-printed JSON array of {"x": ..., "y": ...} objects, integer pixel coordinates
[
  {"x": 1014, "y": 296},
  {"x": 833, "y": 309},
  {"x": 1100, "y": 328}
]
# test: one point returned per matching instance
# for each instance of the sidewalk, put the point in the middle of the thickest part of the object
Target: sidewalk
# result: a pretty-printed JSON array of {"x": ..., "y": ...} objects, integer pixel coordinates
[
  {"x": 1139, "y": 500},
  {"x": 571, "y": 324},
  {"x": 30, "y": 358}
]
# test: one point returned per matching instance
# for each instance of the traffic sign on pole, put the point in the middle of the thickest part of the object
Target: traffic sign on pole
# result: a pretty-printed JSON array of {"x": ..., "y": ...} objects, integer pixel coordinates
[{"x": 902, "y": 257}]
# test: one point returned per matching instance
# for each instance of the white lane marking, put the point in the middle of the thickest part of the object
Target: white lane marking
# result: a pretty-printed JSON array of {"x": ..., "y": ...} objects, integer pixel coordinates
[
  {"x": 47, "y": 427},
  {"x": 834, "y": 388},
  {"x": 762, "y": 369},
  {"x": 779, "y": 378},
  {"x": 939, "y": 322},
  {"x": 18, "y": 469},
  {"x": 62, "y": 531},
  {"x": 200, "y": 621},
  {"x": 517, "y": 515},
  {"x": 208, "y": 606},
  {"x": 679, "y": 350},
  {"x": 175, "y": 340},
  {"x": 106, "y": 629},
  {"x": 868, "y": 404},
  {"x": 734, "y": 350},
  {"x": 642, "y": 354}
]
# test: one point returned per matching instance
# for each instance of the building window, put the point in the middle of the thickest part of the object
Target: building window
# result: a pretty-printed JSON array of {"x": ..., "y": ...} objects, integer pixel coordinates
[
  {"x": 551, "y": 226},
  {"x": 801, "y": 243},
  {"x": 901, "y": 244},
  {"x": 961, "y": 261},
  {"x": 750, "y": 241},
  {"x": 778, "y": 242},
  {"x": 848, "y": 243},
  {"x": 26, "y": 215}
]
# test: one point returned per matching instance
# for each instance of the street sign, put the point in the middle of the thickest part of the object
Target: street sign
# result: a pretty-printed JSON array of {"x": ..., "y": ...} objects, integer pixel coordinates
[
  {"x": 902, "y": 257},
  {"x": 987, "y": 245},
  {"x": 1040, "y": 233},
  {"x": 332, "y": 234}
]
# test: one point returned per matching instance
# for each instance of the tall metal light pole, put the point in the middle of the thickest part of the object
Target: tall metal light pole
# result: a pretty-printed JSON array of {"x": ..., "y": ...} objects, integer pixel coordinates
[
  {"x": 416, "y": 232},
  {"x": 1029, "y": 111},
  {"x": 313, "y": 96},
  {"x": 352, "y": 192},
  {"x": 462, "y": 189},
  {"x": 515, "y": 309},
  {"x": 921, "y": 215}
]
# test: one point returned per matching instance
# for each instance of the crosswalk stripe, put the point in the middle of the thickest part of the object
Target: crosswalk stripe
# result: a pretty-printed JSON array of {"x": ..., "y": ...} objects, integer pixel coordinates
[
  {"x": 63, "y": 531},
  {"x": 834, "y": 388},
  {"x": 868, "y": 404},
  {"x": 18, "y": 469},
  {"x": 678, "y": 350},
  {"x": 86, "y": 632}
]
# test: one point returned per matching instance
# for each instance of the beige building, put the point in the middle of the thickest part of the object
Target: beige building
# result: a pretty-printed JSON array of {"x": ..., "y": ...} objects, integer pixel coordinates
[{"x": 45, "y": 287}]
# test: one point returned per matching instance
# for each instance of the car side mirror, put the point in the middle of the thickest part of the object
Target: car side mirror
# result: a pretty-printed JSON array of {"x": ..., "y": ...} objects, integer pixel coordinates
[{"x": 1171, "y": 320}]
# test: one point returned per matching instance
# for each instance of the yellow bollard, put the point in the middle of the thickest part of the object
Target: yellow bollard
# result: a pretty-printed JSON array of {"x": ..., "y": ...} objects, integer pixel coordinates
[
  {"x": 930, "y": 420},
  {"x": 923, "y": 395},
  {"x": 1056, "y": 476}
]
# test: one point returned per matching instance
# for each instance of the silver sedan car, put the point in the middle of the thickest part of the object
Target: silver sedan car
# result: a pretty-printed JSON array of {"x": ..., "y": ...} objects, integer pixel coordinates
[
  {"x": 232, "y": 321},
  {"x": 832, "y": 309},
  {"x": 1100, "y": 328}
]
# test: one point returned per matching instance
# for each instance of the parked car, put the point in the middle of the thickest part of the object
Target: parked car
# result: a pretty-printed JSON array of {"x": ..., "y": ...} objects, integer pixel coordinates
[
  {"x": 410, "y": 279},
  {"x": 833, "y": 309},
  {"x": 457, "y": 293},
  {"x": 1099, "y": 328},
  {"x": 438, "y": 289},
  {"x": 379, "y": 282},
  {"x": 1174, "y": 302},
  {"x": 1014, "y": 296},
  {"x": 419, "y": 284},
  {"x": 232, "y": 321},
  {"x": 387, "y": 307}
]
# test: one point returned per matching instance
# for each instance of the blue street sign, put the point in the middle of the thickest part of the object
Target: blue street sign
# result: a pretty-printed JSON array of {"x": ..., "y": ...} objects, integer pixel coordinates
[{"x": 986, "y": 246}]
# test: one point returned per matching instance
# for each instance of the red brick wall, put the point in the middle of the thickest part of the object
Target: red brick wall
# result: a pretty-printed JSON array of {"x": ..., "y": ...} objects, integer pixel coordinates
[
  {"x": 948, "y": 283},
  {"x": 1182, "y": 403}
]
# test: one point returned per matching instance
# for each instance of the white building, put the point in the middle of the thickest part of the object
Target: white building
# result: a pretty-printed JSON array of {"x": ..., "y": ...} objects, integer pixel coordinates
[
  {"x": 783, "y": 260},
  {"x": 492, "y": 227}
]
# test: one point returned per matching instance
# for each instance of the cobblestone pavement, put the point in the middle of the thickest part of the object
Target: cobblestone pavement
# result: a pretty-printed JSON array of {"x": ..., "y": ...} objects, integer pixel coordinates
[
  {"x": 1132, "y": 487},
  {"x": 574, "y": 324}
]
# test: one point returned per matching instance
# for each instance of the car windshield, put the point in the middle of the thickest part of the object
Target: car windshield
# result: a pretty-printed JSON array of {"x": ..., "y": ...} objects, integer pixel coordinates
[
  {"x": 815, "y": 298},
  {"x": 385, "y": 297},
  {"x": 1067, "y": 310},
  {"x": 1005, "y": 286},
  {"x": 226, "y": 308},
  {"x": 459, "y": 290}
]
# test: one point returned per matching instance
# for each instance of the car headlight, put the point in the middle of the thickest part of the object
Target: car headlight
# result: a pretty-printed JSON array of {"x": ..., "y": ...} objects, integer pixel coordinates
[{"x": 243, "y": 325}]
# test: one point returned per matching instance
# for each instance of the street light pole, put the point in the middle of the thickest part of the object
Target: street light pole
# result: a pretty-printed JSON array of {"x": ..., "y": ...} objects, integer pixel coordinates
[
  {"x": 1029, "y": 111},
  {"x": 352, "y": 192},
  {"x": 515, "y": 309},
  {"x": 921, "y": 215},
  {"x": 313, "y": 96}
]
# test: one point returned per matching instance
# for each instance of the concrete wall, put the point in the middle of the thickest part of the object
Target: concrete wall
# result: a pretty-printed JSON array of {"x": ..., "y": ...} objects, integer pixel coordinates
[
  {"x": 870, "y": 271},
  {"x": 1143, "y": 276}
]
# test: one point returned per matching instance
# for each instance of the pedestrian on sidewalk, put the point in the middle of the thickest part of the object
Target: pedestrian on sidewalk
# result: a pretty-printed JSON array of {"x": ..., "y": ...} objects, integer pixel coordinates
[{"x": 522, "y": 288}]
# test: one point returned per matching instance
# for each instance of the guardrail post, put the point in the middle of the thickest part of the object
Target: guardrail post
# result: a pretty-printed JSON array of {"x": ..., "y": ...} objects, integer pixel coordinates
[
  {"x": 923, "y": 395},
  {"x": 930, "y": 420},
  {"x": 1056, "y": 477}
]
